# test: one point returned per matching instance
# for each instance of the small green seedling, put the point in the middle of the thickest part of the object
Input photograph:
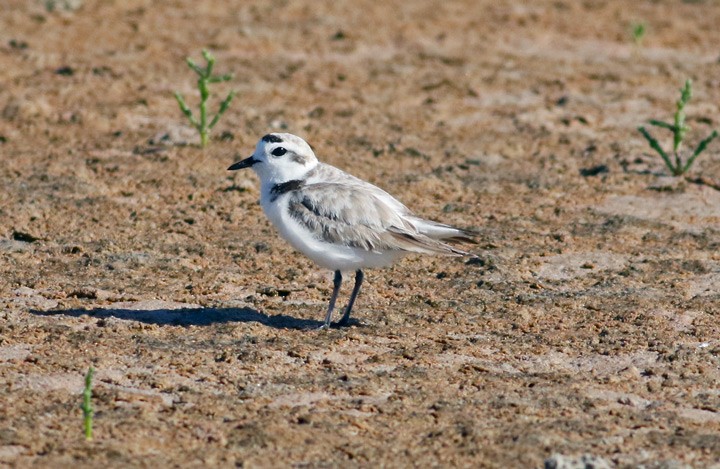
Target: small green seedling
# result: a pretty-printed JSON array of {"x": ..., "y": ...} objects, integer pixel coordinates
[
  {"x": 679, "y": 129},
  {"x": 638, "y": 31},
  {"x": 87, "y": 406},
  {"x": 205, "y": 79}
]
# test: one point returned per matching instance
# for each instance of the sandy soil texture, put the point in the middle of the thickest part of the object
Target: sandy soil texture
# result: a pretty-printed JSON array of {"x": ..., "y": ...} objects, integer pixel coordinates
[{"x": 589, "y": 325}]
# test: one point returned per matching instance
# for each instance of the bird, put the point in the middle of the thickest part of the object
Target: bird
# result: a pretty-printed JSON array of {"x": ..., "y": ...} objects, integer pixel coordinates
[{"x": 341, "y": 222}]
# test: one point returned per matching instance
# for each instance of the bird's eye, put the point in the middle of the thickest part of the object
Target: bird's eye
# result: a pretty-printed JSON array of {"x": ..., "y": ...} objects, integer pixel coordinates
[{"x": 279, "y": 151}]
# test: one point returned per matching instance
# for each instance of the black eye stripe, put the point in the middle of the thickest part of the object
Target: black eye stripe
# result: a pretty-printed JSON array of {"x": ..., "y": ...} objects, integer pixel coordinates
[{"x": 279, "y": 151}]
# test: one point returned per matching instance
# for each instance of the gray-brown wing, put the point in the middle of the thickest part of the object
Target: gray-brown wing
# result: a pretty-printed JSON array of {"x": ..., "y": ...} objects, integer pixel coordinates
[{"x": 350, "y": 216}]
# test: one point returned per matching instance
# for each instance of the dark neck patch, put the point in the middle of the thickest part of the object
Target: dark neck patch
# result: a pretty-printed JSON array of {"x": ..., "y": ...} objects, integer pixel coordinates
[
  {"x": 280, "y": 189},
  {"x": 270, "y": 138}
]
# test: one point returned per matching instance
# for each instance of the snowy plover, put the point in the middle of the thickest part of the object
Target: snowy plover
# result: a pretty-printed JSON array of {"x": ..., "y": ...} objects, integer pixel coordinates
[{"x": 339, "y": 221}]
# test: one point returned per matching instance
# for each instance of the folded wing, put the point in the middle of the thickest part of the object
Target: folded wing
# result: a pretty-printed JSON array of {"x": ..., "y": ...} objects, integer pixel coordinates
[{"x": 352, "y": 216}]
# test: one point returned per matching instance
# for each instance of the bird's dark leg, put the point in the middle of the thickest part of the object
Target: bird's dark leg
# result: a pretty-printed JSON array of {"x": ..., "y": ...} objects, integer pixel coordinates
[
  {"x": 356, "y": 289},
  {"x": 337, "y": 280}
]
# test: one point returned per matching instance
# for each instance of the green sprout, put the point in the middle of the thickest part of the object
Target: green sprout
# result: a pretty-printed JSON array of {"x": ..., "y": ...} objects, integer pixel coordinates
[
  {"x": 679, "y": 128},
  {"x": 638, "y": 31},
  {"x": 87, "y": 406},
  {"x": 205, "y": 79}
]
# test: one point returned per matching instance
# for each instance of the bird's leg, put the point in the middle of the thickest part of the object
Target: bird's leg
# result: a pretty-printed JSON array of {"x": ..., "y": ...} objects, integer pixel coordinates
[
  {"x": 356, "y": 290},
  {"x": 337, "y": 280}
]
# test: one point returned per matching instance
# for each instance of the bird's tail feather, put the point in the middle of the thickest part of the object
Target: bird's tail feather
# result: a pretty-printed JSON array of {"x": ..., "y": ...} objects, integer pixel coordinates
[
  {"x": 441, "y": 231},
  {"x": 418, "y": 242}
]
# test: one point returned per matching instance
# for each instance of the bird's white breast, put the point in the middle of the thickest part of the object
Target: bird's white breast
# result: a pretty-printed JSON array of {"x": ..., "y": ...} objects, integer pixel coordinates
[{"x": 328, "y": 255}]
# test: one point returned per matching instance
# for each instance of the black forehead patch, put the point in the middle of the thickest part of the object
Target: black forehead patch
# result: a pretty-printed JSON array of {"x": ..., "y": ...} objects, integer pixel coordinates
[{"x": 270, "y": 138}]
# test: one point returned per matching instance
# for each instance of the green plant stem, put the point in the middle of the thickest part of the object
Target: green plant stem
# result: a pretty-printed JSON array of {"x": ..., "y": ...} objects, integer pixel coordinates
[
  {"x": 186, "y": 110},
  {"x": 700, "y": 148},
  {"x": 662, "y": 124},
  {"x": 87, "y": 405},
  {"x": 656, "y": 146},
  {"x": 205, "y": 77},
  {"x": 210, "y": 59},
  {"x": 638, "y": 33},
  {"x": 204, "y": 94},
  {"x": 223, "y": 107},
  {"x": 680, "y": 127}
]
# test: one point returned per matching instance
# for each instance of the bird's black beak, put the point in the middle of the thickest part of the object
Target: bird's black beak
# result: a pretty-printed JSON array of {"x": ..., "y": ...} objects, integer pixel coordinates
[{"x": 246, "y": 163}]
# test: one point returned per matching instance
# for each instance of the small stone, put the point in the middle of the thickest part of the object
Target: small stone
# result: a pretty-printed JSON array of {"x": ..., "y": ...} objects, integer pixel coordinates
[{"x": 586, "y": 461}]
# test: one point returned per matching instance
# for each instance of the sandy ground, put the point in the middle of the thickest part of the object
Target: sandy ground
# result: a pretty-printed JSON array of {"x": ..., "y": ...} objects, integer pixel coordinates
[{"x": 588, "y": 326}]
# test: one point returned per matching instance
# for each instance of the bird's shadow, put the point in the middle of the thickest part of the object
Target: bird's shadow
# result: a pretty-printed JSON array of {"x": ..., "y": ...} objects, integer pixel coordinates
[{"x": 189, "y": 316}]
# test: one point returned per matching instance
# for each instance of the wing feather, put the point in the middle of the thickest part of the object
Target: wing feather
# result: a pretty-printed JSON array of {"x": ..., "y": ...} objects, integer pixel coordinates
[{"x": 351, "y": 215}]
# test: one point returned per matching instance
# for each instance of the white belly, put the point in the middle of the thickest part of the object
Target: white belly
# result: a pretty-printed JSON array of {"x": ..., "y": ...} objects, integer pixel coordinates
[{"x": 330, "y": 256}]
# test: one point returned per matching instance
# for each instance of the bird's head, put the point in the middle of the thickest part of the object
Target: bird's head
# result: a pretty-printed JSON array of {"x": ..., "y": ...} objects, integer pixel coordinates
[{"x": 279, "y": 158}]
